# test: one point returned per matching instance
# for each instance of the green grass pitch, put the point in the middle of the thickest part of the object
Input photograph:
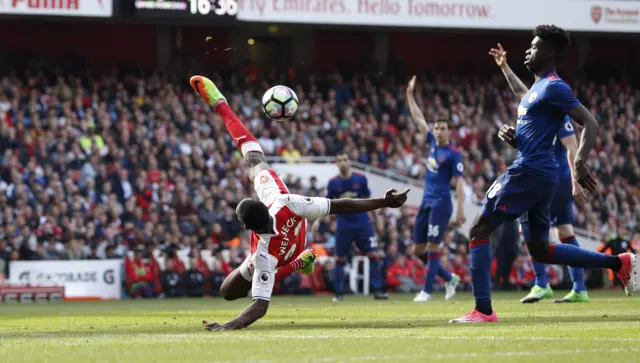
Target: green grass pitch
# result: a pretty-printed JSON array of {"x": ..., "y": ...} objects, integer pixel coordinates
[{"x": 313, "y": 329}]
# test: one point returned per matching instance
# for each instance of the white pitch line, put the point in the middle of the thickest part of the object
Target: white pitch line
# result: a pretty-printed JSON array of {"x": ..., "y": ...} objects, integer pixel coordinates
[
  {"x": 234, "y": 336},
  {"x": 446, "y": 356}
]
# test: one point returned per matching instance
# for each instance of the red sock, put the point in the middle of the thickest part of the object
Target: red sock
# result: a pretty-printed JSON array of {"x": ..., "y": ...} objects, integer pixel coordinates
[
  {"x": 288, "y": 269},
  {"x": 245, "y": 141}
]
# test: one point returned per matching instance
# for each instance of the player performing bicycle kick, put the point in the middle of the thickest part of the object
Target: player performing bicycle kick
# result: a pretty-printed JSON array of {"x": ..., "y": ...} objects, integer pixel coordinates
[{"x": 277, "y": 220}]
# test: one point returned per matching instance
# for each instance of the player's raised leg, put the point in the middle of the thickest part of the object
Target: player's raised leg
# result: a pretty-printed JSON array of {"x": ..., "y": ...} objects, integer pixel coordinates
[
  {"x": 535, "y": 228},
  {"x": 243, "y": 138}
]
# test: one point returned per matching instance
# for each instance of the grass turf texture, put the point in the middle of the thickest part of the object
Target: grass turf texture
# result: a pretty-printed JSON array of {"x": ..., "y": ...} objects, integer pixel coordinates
[{"x": 313, "y": 329}]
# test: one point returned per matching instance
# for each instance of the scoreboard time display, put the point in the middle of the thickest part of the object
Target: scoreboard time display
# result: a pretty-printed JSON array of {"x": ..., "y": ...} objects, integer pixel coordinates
[{"x": 187, "y": 9}]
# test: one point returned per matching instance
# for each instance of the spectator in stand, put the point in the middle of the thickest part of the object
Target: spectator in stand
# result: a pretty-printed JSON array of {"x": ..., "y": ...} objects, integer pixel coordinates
[
  {"x": 461, "y": 268},
  {"x": 139, "y": 275},
  {"x": 193, "y": 280},
  {"x": 400, "y": 277},
  {"x": 171, "y": 280}
]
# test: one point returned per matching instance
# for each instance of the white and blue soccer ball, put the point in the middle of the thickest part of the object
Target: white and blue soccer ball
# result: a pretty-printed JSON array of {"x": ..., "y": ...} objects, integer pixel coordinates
[{"x": 280, "y": 103}]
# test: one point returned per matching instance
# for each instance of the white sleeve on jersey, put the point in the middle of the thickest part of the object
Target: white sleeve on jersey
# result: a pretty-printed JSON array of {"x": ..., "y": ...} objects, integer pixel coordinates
[
  {"x": 307, "y": 207},
  {"x": 264, "y": 275},
  {"x": 268, "y": 186}
]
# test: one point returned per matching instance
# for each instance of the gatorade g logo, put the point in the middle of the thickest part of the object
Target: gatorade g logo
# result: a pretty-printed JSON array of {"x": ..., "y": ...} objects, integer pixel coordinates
[
  {"x": 108, "y": 277},
  {"x": 25, "y": 276}
]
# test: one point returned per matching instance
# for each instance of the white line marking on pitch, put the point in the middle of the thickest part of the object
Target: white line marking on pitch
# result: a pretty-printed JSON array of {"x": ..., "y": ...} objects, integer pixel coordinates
[
  {"x": 452, "y": 355},
  {"x": 232, "y": 336}
]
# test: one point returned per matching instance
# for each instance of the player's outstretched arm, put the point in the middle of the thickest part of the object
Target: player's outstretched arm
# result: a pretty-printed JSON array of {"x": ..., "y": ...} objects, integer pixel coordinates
[
  {"x": 250, "y": 315},
  {"x": 392, "y": 199},
  {"x": 414, "y": 109},
  {"x": 500, "y": 56}
]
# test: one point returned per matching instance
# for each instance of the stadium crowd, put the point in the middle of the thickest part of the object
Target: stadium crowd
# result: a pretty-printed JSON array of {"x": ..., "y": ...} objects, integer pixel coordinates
[{"x": 94, "y": 167}]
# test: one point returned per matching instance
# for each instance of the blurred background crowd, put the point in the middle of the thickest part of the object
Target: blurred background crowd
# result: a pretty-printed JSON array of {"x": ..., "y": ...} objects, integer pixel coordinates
[{"x": 97, "y": 164}]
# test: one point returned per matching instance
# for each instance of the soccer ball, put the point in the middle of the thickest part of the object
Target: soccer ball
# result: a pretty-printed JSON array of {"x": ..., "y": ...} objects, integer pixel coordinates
[{"x": 280, "y": 103}]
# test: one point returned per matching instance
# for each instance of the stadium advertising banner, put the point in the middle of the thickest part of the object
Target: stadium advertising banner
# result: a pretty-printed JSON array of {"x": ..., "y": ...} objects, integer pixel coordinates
[
  {"x": 79, "y": 8},
  {"x": 576, "y": 15},
  {"x": 212, "y": 11},
  {"x": 96, "y": 279}
]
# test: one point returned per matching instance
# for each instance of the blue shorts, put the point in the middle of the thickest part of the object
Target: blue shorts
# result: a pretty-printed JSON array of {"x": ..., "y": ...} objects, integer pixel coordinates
[
  {"x": 561, "y": 209},
  {"x": 432, "y": 221},
  {"x": 362, "y": 235},
  {"x": 518, "y": 194}
]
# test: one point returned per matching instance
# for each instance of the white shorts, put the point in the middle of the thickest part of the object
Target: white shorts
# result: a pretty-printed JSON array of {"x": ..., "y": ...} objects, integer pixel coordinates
[{"x": 260, "y": 269}]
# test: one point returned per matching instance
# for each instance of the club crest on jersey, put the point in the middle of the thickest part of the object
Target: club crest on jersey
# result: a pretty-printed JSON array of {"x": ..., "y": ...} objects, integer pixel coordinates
[
  {"x": 432, "y": 165},
  {"x": 264, "y": 179},
  {"x": 596, "y": 14},
  {"x": 522, "y": 111},
  {"x": 440, "y": 158},
  {"x": 533, "y": 96}
]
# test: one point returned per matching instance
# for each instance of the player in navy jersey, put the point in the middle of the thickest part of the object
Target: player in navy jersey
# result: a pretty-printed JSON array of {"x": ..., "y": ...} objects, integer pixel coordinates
[
  {"x": 561, "y": 209},
  {"x": 353, "y": 227},
  {"x": 444, "y": 169},
  {"x": 528, "y": 186}
]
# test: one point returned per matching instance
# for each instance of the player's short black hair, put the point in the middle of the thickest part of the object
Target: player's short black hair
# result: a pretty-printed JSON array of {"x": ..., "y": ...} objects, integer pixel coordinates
[
  {"x": 555, "y": 37},
  {"x": 253, "y": 214}
]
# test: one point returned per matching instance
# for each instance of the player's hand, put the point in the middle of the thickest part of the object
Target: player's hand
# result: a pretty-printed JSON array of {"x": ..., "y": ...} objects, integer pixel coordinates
[
  {"x": 394, "y": 199},
  {"x": 578, "y": 193},
  {"x": 460, "y": 218},
  {"x": 222, "y": 327},
  {"x": 499, "y": 55},
  {"x": 412, "y": 85},
  {"x": 584, "y": 177},
  {"x": 507, "y": 134}
]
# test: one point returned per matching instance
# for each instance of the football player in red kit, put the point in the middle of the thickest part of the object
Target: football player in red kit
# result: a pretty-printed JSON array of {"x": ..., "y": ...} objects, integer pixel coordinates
[{"x": 277, "y": 220}]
